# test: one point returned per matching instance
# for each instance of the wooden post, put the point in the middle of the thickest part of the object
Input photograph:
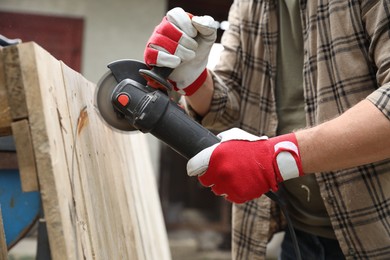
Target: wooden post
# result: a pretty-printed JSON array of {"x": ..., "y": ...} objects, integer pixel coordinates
[
  {"x": 98, "y": 191},
  {"x": 25, "y": 154},
  {"x": 5, "y": 129},
  {"x": 5, "y": 116}
]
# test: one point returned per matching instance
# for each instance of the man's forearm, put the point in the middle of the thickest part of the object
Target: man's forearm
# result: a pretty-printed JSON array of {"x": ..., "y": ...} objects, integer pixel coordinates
[
  {"x": 200, "y": 101},
  {"x": 360, "y": 135}
]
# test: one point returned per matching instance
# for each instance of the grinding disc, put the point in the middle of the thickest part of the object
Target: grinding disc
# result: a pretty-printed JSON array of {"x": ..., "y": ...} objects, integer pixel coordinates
[
  {"x": 103, "y": 95},
  {"x": 119, "y": 71}
]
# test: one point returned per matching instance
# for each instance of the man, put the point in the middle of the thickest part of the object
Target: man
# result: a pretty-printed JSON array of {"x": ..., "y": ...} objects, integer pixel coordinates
[{"x": 287, "y": 65}]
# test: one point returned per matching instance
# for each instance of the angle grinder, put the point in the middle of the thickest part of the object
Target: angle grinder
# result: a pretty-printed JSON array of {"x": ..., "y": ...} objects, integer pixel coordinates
[{"x": 131, "y": 96}]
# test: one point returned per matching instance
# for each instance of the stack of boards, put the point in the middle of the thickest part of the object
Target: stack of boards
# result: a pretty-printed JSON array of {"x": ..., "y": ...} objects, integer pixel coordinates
[{"x": 97, "y": 188}]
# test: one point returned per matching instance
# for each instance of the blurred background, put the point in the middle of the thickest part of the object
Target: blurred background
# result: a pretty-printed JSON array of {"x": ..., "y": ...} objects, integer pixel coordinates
[{"x": 89, "y": 34}]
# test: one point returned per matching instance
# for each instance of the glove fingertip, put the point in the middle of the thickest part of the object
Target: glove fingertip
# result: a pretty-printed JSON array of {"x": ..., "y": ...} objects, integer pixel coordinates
[
  {"x": 197, "y": 171},
  {"x": 205, "y": 21},
  {"x": 182, "y": 20}
]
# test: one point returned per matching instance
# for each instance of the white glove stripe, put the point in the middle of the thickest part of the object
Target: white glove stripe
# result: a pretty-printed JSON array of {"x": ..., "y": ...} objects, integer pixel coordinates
[
  {"x": 198, "y": 164},
  {"x": 286, "y": 162},
  {"x": 238, "y": 134},
  {"x": 287, "y": 165},
  {"x": 287, "y": 145}
]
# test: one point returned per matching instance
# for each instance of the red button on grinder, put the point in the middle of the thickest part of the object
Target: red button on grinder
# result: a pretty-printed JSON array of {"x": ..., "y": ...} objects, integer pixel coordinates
[{"x": 123, "y": 99}]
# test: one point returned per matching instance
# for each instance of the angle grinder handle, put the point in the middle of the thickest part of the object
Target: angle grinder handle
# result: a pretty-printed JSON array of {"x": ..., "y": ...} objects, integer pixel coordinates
[
  {"x": 157, "y": 114},
  {"x": 182, "y": 133},
  {"x": 162, "y": 72},
  {"x": 157, "y": 77}
]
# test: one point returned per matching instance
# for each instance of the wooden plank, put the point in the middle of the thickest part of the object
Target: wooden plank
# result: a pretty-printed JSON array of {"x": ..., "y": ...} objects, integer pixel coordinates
[
  {"x": 5, "y": 115},
  {"x": 3, "y": 244},
  {"x": 14, "y": 83},
  {"x": 25, "y": 154},
  {"x": 98, "y": 191},
  {"x": 22, "y": 79}
]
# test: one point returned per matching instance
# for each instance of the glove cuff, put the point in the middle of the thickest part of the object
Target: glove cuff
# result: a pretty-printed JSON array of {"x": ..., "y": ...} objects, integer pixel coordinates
[
  {"x": 287, "y": 161},
  {"x": 194, "y": 86}
]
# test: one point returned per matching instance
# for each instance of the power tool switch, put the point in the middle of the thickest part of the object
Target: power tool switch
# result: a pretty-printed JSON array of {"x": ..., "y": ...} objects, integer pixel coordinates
[{"x": 123, "y": 99}]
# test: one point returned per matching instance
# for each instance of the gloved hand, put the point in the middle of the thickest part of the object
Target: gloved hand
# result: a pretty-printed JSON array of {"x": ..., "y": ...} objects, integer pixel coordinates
[
  {"x": 243, "y": 167},
  {"x": 182, "y": 42}
]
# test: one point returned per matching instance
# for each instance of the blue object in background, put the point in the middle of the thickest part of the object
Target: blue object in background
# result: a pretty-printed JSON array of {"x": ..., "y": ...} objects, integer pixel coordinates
[{"x": 19, "y": 209}]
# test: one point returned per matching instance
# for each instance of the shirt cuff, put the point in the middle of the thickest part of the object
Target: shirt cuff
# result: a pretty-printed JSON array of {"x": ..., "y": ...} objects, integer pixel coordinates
[{"x": 380, "y": 98}]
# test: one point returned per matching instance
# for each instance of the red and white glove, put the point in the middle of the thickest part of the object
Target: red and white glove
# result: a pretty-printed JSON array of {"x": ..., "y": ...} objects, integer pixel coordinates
[
  {"x": 182, "y": 42},
  {"x": 243, "y": 166}
]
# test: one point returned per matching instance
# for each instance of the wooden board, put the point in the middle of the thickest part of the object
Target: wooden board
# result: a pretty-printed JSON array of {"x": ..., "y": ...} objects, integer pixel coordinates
[
  {"x": 5, "y": 116},
  {"x": 25, "y": 154},
  {"x": 14, "y": 83},
  {"x": 98, "y": 190}
]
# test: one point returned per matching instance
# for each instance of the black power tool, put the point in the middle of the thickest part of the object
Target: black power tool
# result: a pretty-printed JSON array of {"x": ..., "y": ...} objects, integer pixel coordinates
[{"x": 131, "y": 96}]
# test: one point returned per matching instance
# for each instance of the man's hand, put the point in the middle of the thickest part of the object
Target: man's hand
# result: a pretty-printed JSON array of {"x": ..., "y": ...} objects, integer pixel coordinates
[
  {"x": 182, "y": 42},
  {"x": 243, "y": 167}
]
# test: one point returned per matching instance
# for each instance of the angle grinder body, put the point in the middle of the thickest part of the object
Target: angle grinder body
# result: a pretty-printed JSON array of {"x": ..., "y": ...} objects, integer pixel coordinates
[{"x": 127, "y": 102}]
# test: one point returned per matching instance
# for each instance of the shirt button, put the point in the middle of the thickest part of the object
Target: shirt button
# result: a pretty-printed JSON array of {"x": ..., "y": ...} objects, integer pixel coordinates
[{"x": 351, "y": 252}]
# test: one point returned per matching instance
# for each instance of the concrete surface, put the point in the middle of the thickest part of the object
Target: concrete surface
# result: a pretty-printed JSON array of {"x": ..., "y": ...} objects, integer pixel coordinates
[
  {"x": 184, "y": 245},
  {"x": 24, "y": 250}
]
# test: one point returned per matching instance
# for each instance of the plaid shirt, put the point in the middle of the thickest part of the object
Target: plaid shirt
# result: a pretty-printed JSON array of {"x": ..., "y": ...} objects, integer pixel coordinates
[{"x": 346, "y": 60}]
